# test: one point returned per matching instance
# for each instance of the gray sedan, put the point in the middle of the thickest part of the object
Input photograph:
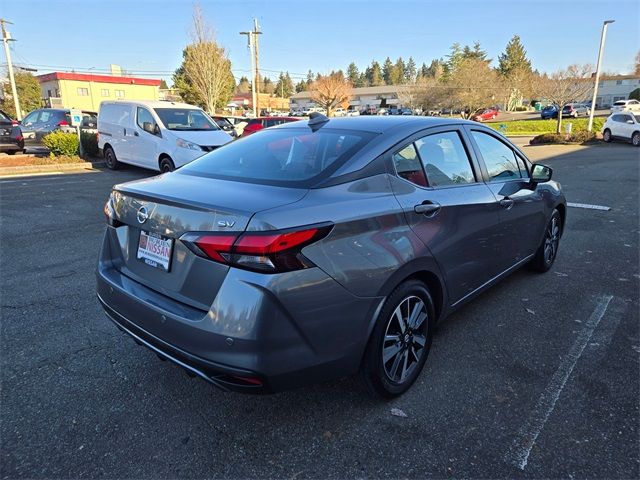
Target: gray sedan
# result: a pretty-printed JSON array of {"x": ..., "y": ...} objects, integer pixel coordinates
[{"x": 323, "y": 248}]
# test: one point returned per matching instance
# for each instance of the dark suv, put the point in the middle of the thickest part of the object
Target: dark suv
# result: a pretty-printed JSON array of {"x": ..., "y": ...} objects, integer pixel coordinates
[
  {"x": 11, "y": 140},
  {"x": 45, "y": 120}
]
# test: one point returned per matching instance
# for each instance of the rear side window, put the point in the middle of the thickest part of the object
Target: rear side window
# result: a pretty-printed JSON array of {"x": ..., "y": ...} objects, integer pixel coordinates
[
  {"x": 287, "y": 157},
  {"x": 445, "y": 160},
  {"x": 118, "y": 114},
  {"x": 499, "y": 159},
  {"x": 408, "y": 165}
]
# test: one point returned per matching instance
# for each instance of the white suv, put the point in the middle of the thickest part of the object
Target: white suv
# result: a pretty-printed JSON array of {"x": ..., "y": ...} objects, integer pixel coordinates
[
  {"x": 623, "y": 125},
  {"x": 621, "y": 105}
]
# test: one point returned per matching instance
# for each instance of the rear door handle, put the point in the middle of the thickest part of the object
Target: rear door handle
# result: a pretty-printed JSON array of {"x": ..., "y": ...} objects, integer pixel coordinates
[
  {"x": 507, "y": 203},
  {"x": 427, "y": 208}
]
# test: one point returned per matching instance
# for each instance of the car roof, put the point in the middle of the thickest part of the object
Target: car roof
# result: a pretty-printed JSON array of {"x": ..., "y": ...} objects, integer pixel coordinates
[
  {"x": 152, "y": 104},
  {"x": 381, "y": 124}
]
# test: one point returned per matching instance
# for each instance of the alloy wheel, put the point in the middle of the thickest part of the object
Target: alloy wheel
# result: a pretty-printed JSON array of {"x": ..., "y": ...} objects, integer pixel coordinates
[
  {"x": 551, "y": 240},
  {"x": 635, "y": 140},
  {"x": 405, "y": 339}
]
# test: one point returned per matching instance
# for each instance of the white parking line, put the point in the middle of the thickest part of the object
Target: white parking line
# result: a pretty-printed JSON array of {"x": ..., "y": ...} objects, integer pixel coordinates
[
  {"x": 518, "y": 454},
  {"x": 589, "y": 206}
]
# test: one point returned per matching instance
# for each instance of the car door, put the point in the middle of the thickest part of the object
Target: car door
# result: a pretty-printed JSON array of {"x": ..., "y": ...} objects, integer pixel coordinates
[
  {"x": 627, "y": 125},
  {"x": 123, "y": 133},
  {"x": 449, "y": 207},
  {"x": 143, "y": 144},
  {"x": 29, "y": 126},
  {"x": 521, "y": 206}
]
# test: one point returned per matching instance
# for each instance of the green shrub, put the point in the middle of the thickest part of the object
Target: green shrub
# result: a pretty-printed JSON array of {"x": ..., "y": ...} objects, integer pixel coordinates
[
  {"x": 635, "y": 94},
  {"x": 581, "y": 136},
  {"x": 61, "y": 143},
  {"x": 89, "y": 144}
]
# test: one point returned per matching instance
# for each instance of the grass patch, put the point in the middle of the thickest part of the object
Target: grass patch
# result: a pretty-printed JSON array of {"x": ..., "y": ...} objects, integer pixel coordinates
[
  {"x": 25, "y": 160},
  {"x": 537, "y": 127}
]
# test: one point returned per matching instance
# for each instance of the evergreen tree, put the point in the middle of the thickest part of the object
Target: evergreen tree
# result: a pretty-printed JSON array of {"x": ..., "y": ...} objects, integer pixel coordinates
[
  {"x": 454, "y": 59},
  {"x": 244, "y": 86},
  {"x": 513, "y": 58},
  {"x": 362, "y": 80},
  {"x": 435, "y": 69},
  {"x": 374, "y": 74},
  {"x": 411, "y": 71},
  {"x": 353, "y": 74},
  {"x": 387, "y": 71},
  {"x": 399, "y": 72},
  {"x": 475, "y": 53},
  {"x": 284, "y": 88},
  {"x": 301, "y": 86},
  {"x": 424, "y": 70}
]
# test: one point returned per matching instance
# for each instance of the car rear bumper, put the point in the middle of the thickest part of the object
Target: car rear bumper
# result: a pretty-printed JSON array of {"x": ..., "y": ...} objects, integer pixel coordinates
[{"x": 262, "y": 333}]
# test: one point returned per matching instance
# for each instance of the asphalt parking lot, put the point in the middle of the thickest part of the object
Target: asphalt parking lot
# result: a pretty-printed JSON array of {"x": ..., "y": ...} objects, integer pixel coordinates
[{"x": 538, "y": 377}]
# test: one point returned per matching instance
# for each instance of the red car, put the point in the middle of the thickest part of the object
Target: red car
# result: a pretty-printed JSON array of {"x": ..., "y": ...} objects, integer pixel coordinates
[
  {"x": 483, "y": 114},
  {"x": 259, "y": 123}
]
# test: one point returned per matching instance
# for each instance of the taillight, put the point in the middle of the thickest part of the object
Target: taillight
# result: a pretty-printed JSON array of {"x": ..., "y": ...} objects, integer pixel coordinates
[
  {"x": 63, "y": 123},
  {"x": 268, "y": 252}
]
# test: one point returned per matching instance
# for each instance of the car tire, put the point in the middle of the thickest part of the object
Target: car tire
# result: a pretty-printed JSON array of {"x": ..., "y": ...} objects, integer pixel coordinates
[
  {"x": 635, "y": 139},
  {"x": 12, "y": 152},
  {"x": 399, "y": 343},
  {"x": 548, "y": 249},
  {"x": 110, "y": 159},
  {"x": 166, "y": 165},
  {"x": 606, "y": 135}
]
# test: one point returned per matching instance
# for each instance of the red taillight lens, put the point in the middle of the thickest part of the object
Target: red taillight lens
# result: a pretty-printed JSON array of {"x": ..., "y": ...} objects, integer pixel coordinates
[
  {"x": 63, "y": 123},
  {"x": 268, "y": 252}
]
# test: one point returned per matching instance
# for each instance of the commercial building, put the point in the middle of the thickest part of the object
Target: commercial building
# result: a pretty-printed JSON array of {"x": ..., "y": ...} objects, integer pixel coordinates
[
  {"x": 361, "y": 98},
  {"x": 612, "y": 89},
  {"x": 85, "y": 91}
]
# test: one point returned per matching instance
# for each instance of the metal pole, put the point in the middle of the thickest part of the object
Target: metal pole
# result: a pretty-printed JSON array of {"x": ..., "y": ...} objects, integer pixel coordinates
[
  {"x": 253, "y": 70},
  {"x": 256, "y": 32},
  {"x": 603, "y": 36},
  {"x": 12, "y": 80}
]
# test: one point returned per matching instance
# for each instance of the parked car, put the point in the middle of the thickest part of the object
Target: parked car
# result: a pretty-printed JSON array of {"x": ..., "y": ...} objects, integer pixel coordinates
[
  {"x": 353, "y": 112},
  {"x": 382, "y": 111},
  {"x": 316, "y": 250},
  {"x": 620, "y": 105},
  {"x": 339, "y": 112},
  {"x": 39, "y": 123},
  {"x": 11, "y": 139},
  {"x": 225, "y": 124},
  {"x": 483, "y": 114},
  {"x": 575, "y": 110},
  {"x": 406, "y": 111},
  {"x": 550, "y": 111},
  {"x": 394, "y": 111},
  {"x": 624, "y": 125},
  {"x": 238, "y": 124},
  {"x": 156, "y": 135},
  {"x": 259, "y": 123}
]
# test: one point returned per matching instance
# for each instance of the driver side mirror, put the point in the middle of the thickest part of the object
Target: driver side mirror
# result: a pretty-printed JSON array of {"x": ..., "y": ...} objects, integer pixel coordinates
[
  {"x": 149, "y": 127},
  {"x": 630, "y": 122},
  {"x": 541, "y": 173}
]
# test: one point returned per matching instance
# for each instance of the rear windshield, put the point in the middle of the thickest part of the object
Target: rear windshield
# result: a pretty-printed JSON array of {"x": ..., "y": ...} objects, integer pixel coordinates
[
  {"x": 188, "y": 119},
  {"x": 287, "y": 157},
  {"x": 620, "y": 103}
]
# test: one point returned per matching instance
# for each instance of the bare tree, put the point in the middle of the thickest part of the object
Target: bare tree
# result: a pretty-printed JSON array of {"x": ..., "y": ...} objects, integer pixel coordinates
[
  {"x": 637, "y": 64},
  {"x": 330, "y": 91},
  {"x": 472, "y": 85},
  {"x": 206, "y": 67},
  {"x": 566, "y": 86}
]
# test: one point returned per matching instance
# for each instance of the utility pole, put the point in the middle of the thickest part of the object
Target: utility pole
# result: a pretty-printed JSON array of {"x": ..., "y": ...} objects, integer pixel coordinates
[
  {"x": 256, "y": 49},
  {"x": 6, "y": 38},
  {"x": 603, "y": 36},
  {"x": 253, "y": 70}
]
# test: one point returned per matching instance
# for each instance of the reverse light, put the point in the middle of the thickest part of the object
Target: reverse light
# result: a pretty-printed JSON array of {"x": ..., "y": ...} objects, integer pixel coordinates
[{"x": 268, "y": 252}]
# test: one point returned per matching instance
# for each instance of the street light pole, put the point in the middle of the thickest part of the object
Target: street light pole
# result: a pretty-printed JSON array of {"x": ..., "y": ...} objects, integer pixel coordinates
[
  {"x": 14, "y": 91},
  {"x": 603, "y": 36}
]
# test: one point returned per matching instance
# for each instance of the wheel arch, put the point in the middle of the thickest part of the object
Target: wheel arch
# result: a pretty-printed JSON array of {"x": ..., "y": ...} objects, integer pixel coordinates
[
  {"x": 562, "y": 210},
  {"x": 163, "y": 156}
]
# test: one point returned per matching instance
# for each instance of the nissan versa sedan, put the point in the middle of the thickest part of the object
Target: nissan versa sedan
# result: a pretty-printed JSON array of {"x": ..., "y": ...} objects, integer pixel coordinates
[{"x": 323, "y": 248}]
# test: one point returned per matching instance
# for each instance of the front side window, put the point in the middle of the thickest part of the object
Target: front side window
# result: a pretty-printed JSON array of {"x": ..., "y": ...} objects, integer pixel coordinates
[
  {"x": 144, "y": 116},
  {"x": 189, "y": 119},
  {"x": 499, "y": 159},
  {"x": 408, "y": 165},
  {"x": 445, "y": 160},
  {"x": 281, "y": 156}
]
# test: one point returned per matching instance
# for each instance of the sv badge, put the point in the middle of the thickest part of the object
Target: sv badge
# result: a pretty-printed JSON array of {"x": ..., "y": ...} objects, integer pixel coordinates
[{"x": 226, "y": 223}]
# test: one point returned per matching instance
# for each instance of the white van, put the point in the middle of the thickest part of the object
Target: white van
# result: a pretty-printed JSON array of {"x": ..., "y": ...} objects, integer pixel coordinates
[{"x": 155, "y": 135}]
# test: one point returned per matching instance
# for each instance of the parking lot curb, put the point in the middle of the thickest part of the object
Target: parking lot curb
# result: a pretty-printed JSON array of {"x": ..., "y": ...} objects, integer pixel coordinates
[{"x": 59, "y": 168}]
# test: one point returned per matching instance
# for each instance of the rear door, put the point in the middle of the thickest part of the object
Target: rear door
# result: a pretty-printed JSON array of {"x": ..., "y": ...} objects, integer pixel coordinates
[
  {"x": 449, "y": 207},
  {"x": 520, "y": 205}
]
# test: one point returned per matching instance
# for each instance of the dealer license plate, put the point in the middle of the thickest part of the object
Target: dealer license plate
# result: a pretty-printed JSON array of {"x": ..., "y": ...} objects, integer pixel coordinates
[{"x": 155, "y": 250}]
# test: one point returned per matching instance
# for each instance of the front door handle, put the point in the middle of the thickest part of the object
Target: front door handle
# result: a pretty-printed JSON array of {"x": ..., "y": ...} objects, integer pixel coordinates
[
  {"x": 136, "y": 134},
  {"x": 507, "y": 203},
  {"x": 427, "y": 208}
]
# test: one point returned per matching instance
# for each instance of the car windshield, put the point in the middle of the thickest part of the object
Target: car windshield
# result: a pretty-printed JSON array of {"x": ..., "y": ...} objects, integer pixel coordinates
[
  {"x": 287, "y": 157},
  {"x": 185, "y": 119},
  {"x": 620, "y": 103}
]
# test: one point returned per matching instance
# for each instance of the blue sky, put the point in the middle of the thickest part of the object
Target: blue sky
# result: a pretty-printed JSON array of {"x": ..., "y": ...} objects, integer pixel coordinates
[{"x": 147, "y": 36}]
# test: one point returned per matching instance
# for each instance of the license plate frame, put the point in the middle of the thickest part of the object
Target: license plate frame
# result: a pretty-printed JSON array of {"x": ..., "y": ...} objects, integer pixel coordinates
[{"x": 155, "y": 250}]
